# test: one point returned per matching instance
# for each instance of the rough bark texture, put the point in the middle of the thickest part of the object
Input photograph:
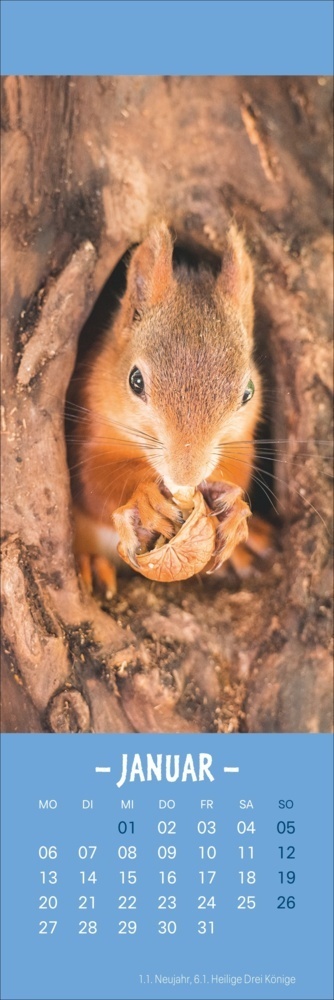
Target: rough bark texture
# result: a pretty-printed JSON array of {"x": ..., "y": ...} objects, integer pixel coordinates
[{"x": 88, "y": 163}]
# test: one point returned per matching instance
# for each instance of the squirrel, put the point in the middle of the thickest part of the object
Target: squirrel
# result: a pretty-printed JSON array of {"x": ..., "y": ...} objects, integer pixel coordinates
[{"x": 169, "y": 398}]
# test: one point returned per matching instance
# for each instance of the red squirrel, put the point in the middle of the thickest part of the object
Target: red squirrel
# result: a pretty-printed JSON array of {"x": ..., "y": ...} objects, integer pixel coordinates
[{"x": 169, "y": 398}]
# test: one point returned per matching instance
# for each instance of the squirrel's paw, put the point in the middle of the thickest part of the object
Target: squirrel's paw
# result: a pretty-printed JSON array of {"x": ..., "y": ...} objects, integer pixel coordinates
[
  {"x": 97, "y": 573},
  {"x": 225, "y": 501},
  {"x": 259, "y": 548},
  {"x": 147, "y": 515}
]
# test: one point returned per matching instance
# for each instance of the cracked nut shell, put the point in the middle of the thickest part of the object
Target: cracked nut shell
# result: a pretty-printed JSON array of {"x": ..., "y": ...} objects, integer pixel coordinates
[{"x": 188, "y": 552}]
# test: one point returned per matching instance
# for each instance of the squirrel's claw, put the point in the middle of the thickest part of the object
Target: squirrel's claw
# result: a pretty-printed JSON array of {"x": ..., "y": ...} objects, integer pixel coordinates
[
  {"x": 143, "y": 519},
  {"x": 124, "y": 520},
  {"x": 231, "y": 531}
]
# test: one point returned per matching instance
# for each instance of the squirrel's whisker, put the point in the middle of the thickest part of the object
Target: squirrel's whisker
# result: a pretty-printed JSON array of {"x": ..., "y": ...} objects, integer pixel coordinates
[
  {"x": 279, "y": 480},
  {"x": 79, "y": 412}
]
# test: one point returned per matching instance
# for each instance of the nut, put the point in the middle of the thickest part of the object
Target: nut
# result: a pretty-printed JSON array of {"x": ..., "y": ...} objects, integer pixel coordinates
[{"x": 189, "y": 551}]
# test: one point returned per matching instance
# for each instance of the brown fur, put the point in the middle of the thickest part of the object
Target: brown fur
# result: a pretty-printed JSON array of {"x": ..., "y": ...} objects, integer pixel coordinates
[{"x": 191, "y": 336}]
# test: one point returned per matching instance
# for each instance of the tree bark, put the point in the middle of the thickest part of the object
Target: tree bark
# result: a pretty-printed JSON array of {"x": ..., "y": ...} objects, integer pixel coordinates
[{"x": 88, "y": 164}]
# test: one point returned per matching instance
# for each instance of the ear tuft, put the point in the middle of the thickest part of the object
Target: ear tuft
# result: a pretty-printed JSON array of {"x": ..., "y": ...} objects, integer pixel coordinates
[
  {"x": 150, "y": 273},
  {"x": 236, "y": 279}
]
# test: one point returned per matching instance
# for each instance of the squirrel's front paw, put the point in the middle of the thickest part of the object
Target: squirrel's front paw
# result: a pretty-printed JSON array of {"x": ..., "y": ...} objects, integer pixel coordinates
[
  {"x": 231, "y": 511},
  {"x": 147, "y": 515}
]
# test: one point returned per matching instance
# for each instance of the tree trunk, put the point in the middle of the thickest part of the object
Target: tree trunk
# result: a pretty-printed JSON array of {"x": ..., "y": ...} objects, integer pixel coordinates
[{"x": 88, "y": 163}]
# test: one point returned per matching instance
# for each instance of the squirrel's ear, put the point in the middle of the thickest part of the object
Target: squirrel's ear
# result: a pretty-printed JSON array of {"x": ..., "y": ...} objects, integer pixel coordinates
[
  {"x": 150, "y": 272},
  {"x": 236, "y": 280}
]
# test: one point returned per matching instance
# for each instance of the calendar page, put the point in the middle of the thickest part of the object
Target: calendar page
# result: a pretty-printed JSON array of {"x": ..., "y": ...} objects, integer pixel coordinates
[
  {"x": 167, "y": 679},
  {"x": 134, "y": 871}
]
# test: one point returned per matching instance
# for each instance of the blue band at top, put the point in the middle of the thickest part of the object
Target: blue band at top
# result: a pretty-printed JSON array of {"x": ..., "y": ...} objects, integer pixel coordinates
[{"x": 245, "y": 37}]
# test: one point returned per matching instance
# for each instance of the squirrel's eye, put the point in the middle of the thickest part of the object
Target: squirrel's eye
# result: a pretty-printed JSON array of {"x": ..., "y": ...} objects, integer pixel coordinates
[
  {"x": 249, "y": 392},
  {"x": 137, "y": 382}
]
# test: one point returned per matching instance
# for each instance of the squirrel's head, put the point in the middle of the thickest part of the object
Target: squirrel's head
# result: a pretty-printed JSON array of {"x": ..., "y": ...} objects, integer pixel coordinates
[{"x": 182, "y": 358}]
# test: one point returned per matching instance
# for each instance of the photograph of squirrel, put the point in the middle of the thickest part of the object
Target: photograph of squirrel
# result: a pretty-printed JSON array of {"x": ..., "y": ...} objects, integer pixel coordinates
[{"x": 168, "y": 398}]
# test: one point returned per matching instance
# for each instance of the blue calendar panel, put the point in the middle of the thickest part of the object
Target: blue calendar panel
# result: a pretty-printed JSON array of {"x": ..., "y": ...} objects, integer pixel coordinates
[{"x": 159, "y": 866}]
